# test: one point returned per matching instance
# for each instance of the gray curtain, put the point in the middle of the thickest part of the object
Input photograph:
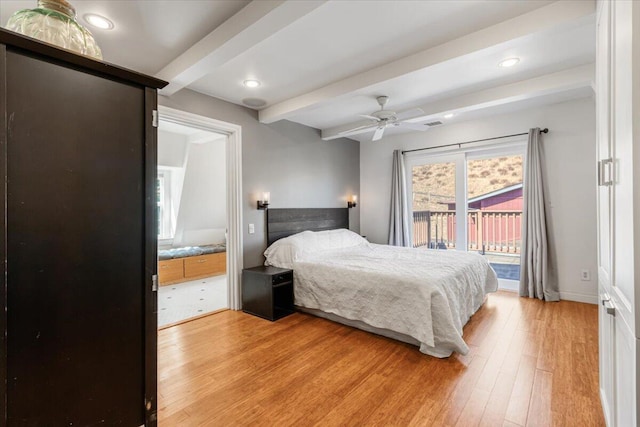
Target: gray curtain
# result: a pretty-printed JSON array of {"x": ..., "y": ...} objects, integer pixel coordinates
[
  {"x": 534, "y": 260},
  {"x": 399, "y": 226}
]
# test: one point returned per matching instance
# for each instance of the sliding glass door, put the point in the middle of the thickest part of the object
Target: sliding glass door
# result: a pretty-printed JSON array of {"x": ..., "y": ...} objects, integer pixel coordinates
[
  {"x": 494, "y": 210},
  {"x": 434, "y": 190},
  {"x": 482, "y": 186},
  {"x": 436, "y": 183}
]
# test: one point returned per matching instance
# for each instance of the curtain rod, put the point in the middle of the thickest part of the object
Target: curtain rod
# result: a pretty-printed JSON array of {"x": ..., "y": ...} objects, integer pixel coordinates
[{"x": 545, "y": 130}]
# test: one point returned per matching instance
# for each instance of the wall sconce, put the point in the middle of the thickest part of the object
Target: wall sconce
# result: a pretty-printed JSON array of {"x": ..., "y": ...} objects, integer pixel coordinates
[
  {"x": 353, "y": 202},
  {"x": 264, "y": 203}
]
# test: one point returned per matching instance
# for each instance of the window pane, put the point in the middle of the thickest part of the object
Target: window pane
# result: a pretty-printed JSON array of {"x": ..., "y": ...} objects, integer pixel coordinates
[
  {"x": 434, "y": 205},
  {"x": 494, "y": 196}
]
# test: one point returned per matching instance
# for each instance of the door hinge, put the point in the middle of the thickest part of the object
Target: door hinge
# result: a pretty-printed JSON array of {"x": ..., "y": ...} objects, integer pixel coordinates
[
  {"x": 154, "y": 118},
  {"x": 154, "y": 283},
  {"x": 152, "y": 414}
]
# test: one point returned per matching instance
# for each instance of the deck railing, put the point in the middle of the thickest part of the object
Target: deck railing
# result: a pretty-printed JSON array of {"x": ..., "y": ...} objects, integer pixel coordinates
[
  {"x": 488, "y": 231},
  {"x": 435, "y": 229}
]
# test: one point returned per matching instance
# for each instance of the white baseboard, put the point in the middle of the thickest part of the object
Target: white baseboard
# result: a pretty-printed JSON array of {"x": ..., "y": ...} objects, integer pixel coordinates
[
  {"x": 514, "y": 285},
  {"x": 573, "y": 296}
]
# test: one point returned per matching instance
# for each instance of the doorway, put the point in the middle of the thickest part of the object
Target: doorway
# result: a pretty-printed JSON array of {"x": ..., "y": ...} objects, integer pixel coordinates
[
  {"x": 199, "y": 225},
  {"x": 483, "y": 186},
  {"x": 192, "y": 223}
]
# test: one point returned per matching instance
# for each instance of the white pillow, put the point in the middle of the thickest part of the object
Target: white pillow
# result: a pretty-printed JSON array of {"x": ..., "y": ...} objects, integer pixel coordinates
[
  {"x": 284, "y": 252},
  {"x": 328, "y": 240}
]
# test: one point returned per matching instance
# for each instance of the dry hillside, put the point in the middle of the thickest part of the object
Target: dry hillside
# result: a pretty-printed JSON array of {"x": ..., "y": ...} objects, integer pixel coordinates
[{"x": 434, "y": 184}]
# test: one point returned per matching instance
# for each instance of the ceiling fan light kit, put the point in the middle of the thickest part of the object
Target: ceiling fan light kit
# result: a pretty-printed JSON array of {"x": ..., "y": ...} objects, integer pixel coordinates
[{"x": 385, "y": 118}]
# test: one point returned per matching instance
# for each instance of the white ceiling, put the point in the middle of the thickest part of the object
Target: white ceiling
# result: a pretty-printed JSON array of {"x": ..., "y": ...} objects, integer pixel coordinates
[
  {"x": 321, "y": 63},
  {"x": 148, "y": 34}
]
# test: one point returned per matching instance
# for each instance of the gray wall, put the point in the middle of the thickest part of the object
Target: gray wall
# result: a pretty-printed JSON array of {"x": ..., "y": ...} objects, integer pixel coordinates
[
  {"x": 172, "y": 149},
  {"x": 569, "y": 166},
  {"x": 287, "y": 159},
  {"x": 203, "y": 205}
]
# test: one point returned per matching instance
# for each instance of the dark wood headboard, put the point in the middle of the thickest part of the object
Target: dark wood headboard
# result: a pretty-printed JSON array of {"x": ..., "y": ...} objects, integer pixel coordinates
[{"x": 285, "y": 222}]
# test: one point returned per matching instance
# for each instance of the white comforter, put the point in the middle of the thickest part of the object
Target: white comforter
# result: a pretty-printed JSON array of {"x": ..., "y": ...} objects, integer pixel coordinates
[{"x": 426, "y": 294}]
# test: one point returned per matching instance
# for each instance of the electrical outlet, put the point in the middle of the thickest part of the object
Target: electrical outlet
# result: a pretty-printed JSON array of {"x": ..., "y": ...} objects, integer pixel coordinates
[
  {"x": 585, "y": 275},
  {"x": 252, "y": 228}
]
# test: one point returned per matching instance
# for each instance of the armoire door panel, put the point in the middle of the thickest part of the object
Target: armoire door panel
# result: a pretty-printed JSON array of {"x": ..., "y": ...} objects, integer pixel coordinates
[
  {"x": 606, "y": 358},
  {"x": 625, "y": 375},
  {"x": 617, "y": 92},
  {"x": 75, "y": 243},
  {"x": 603, "y": 130},
  {"x": 606, "y": 322},
  {"x": 3, "y": 228},
  {"x": 151, "y": 263},
  {"x": 623, "y": 280}
]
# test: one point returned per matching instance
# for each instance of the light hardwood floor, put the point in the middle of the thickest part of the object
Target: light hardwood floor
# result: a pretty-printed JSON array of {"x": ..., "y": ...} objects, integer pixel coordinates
[{"x": 530, "y": 364}]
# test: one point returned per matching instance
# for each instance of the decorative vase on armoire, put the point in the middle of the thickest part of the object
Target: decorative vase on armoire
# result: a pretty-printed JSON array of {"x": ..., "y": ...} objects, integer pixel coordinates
[
  {"x": 78, "y": 237},
  {"x": 54, "y": 22}
]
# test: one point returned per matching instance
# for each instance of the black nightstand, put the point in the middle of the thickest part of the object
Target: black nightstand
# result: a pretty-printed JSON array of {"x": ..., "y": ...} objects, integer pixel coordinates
[{"x": 267, "y": 292}]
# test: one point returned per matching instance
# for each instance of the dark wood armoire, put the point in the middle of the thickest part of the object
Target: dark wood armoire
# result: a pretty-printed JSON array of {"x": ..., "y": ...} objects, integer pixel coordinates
[{"x": 77, "y": 239}]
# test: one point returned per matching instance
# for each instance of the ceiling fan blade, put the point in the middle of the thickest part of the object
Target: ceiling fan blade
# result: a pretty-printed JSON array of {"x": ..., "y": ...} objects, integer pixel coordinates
[
  {"x": 359, "y": 128},
  {"x": 414, "y": 126},
  {"x": 366, "y": 116},
  {"x": 378, "y": 134},
  {"x": 409, "y": 114}
]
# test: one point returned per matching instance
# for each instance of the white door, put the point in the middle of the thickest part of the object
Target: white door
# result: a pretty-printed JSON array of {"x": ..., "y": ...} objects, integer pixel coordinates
[
  {"x": 617, "y": 272},
  {"x": 622, "y": 280},
  {"x": 623, "y": 293},
  {"x": 606, "y": 321}
]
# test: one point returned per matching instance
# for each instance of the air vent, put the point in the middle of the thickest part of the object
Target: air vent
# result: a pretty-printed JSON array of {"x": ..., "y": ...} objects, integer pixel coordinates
[
  {"x": 254, "y": 102},
  {"x": 436, "y": 123}
]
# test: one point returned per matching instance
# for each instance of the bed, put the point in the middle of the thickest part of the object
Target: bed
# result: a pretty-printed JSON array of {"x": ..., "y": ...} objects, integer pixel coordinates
[{"x": 420, "y": 296}]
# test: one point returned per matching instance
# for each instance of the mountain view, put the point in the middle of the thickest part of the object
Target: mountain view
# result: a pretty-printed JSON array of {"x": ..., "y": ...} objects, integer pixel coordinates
[{"x": 434, "y": 184}]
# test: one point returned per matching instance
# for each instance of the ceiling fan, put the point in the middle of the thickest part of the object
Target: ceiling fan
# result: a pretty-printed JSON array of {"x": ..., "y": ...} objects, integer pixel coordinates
[{"x": 386, "y": 118}]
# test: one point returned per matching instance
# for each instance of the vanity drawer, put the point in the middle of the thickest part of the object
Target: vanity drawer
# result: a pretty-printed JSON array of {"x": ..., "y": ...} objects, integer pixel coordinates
[
  {"x": 204, "y": 265},
  {"x": 170, "y": 270}
]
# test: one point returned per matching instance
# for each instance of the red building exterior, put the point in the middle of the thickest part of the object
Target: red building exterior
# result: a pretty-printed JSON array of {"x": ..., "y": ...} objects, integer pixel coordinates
[
  {"x": 506, "y": 199},
  {"x": 494, "y": 221}
]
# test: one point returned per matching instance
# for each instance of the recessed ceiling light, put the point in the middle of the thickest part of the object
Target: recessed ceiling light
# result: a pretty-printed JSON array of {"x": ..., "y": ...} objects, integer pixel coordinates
[
  {"x": 509, "y": 62},
  {"x": 449, "y": 115},
  {"x": 98, "y": 21},
  {"x": 251, "y": 83}
]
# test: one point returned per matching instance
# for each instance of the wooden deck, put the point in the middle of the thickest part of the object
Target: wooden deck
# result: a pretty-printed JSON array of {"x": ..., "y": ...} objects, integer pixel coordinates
[{"x": 530, "y": 364}]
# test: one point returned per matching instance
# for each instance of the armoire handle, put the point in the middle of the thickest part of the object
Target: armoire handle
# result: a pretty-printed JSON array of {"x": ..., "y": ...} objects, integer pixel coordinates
[
  {"x": 604, "y": 172},
  {"x": 609, "y": 308}
]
